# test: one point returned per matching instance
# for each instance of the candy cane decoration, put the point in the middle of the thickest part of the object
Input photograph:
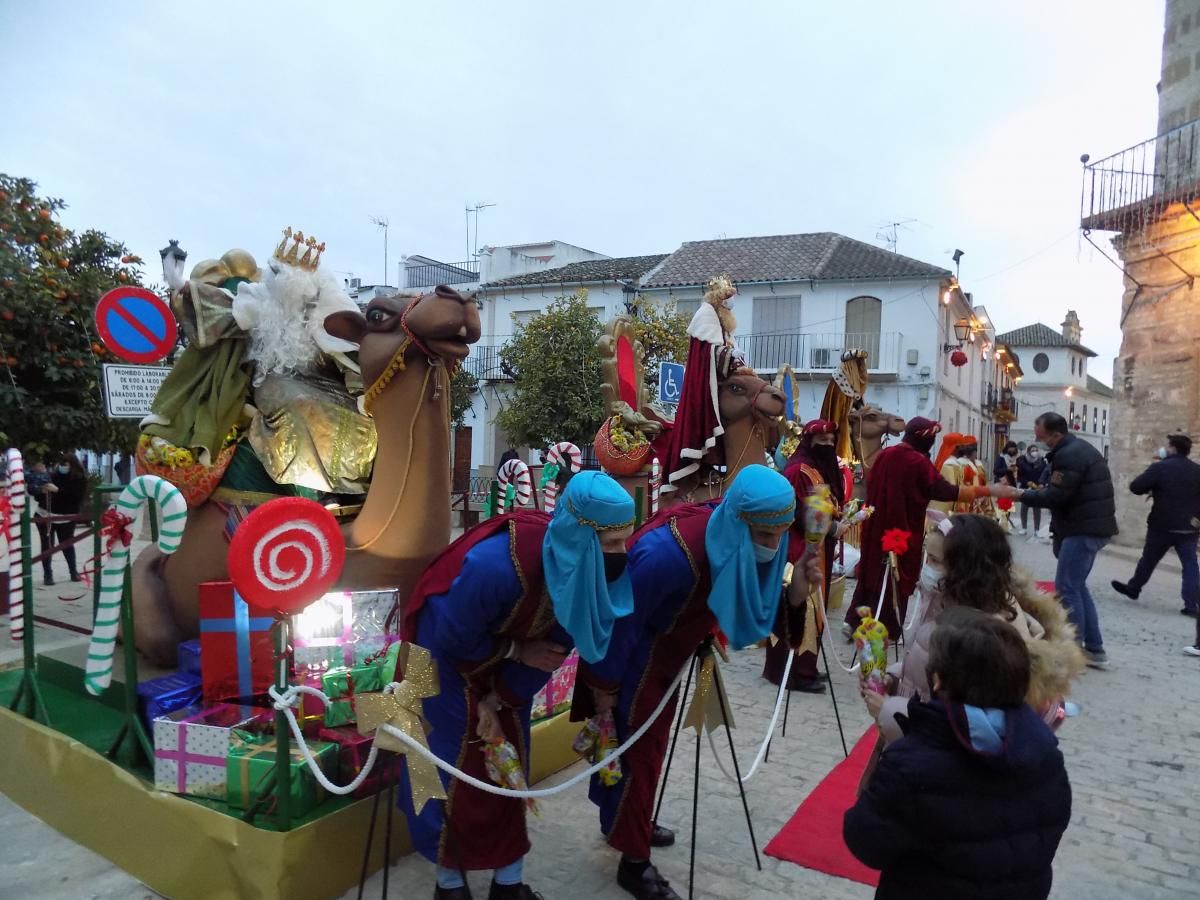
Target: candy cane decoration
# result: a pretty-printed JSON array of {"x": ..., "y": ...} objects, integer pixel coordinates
[
  {"x": 517, "y": 473},
  {"x": 173, "y": 511},
  {"x": 563, "y": 454},
  {"x": 16, "y": 571},
  {"x": 655, "y": 484}
]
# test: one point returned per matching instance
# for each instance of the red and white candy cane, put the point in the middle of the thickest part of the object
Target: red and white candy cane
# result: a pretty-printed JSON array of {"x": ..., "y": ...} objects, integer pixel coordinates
[
  {"x": 516, "y": 473},
  {"x": 173, "y": 514},
  {"x": 564, "y": 454},
  {"x": 655, "y": 484},
  {"x": 16, "y": 571}
]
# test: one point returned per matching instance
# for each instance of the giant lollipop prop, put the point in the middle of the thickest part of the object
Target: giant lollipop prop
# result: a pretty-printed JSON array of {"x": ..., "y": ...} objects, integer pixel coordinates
[
  {"x": 16, "y": 572},
  {"x": 564, "y": 453}
]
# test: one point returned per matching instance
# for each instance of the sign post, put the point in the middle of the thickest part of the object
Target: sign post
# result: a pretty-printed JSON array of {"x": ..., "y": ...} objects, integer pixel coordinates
[
  {"x": 670, "y": 382},
  {"x": 130, "y": 390}
]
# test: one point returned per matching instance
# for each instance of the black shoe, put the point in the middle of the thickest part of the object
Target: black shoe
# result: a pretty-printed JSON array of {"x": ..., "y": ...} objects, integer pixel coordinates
[
  {"x": 643, "y": 881},
  {"x": 808, "y": 685},
  {"x": 1125, "y": 590},
  {"x": 1188, "y": 612},
  {"x": 48, "y": 581},
  {"x": 662, "y": 837},
  {"x": 513, "y": 892},
  {"x": 459, "y": 893},
  {"x": 76, "y": 578}
]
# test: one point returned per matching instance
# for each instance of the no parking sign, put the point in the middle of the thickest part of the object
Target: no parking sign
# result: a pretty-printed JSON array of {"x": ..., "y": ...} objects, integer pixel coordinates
[{"x": 135, "y": 324}]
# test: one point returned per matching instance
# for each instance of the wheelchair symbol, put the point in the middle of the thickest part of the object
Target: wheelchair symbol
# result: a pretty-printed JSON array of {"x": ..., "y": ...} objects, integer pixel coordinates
[{"x": 669, "y": 388}]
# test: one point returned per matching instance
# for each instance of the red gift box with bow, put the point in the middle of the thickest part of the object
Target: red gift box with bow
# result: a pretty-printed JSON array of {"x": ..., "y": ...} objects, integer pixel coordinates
[{"x": 237, "y": 646}]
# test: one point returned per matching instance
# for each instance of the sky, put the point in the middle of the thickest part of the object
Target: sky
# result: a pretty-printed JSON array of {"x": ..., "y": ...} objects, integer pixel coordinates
[{"x": 625, "y": 127}]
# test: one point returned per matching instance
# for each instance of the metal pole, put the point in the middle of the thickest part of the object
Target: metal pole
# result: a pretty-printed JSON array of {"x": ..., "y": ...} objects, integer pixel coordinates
[
  {"x": 132, "y": 731},
  {"x": 283, "y": 769},
  {"x": 737, "y": 772},
  {"x": 29, "y": 691},
  {"x": 97, "y": 513},
  {"x": 662, "y": 789}
]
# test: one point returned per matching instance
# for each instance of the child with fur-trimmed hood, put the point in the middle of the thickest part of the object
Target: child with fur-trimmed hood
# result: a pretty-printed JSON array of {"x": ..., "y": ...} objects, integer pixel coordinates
[{"x": 976, "y": 570}]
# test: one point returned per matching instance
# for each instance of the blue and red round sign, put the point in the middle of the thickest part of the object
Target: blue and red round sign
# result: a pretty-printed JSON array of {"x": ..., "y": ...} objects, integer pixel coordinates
[{"x": 136, "y": 324}]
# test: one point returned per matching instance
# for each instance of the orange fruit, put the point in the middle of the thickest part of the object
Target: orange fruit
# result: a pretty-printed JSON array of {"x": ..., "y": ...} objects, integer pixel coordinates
[
  {"x": 61, "y": 295},
  {"x": 7, "y": 315},
  {"x": 43, "y": 213},
  {"x": 63, "y": 263}
]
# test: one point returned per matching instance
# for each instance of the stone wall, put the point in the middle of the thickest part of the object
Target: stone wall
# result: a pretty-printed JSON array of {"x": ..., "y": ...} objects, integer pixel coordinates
[{"x": 1156, "y": 376}]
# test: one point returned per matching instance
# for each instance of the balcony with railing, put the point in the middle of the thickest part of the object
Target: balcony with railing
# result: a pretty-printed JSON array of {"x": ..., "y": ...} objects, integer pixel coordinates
[
  {"x": 1131, "y": 189},
  {"x": 486, "y": 364},
  {"x": 433, "y": 274},
  {"x": 822, "y": 352}
]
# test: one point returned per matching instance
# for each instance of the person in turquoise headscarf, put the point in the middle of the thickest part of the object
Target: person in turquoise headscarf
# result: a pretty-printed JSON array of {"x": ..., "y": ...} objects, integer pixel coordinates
[
  {"x": 499, "y": 610},
  {"x": 694, "y": 568}
]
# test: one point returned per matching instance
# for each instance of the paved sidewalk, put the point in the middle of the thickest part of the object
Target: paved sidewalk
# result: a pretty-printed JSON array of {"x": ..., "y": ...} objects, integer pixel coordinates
[{"x": 1133, "y": 835}]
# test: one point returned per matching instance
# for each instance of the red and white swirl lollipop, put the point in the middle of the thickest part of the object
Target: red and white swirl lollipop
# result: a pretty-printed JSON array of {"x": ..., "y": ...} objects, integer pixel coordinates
[
  {"x": 516, "y": 473},
  {"x": 564, "y": 454},
  {"x": 286, "y": 554},
  {"x": 655, "y": 484}
]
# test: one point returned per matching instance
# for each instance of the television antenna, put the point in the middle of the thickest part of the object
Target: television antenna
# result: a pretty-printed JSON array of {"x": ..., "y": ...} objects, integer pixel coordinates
[
  {"x": 889, "y": 233},
  {"x": 381, "y": 222},
  {"x": 469, "y": 210}
]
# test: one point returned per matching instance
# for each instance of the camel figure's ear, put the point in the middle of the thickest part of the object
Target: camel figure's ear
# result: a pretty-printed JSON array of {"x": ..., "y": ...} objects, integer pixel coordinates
[{"x": 347, "y": 325}]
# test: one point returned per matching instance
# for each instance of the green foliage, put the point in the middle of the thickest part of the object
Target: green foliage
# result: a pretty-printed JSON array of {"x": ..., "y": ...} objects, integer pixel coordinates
[
  {"x": 556, "y": 394},
  {"x": 462, "y": 386},
  {"x": 662, "y": 331},
  {"x": 50, "y": 356}
]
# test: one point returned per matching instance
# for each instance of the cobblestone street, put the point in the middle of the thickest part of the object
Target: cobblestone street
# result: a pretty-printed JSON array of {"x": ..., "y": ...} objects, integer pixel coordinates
[{"x": 1133, "y": 834}]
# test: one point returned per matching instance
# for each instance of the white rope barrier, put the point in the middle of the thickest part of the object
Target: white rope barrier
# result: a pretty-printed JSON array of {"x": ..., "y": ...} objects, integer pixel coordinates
[
  {"x": 290, "y": 698},
  {"x": 766, "y": 741}
]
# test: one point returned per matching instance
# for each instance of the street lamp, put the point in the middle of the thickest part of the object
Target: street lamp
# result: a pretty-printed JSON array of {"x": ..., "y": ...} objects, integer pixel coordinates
[
  {"x": 173, "y": 258},
  {"x": 962, "y": 331}
]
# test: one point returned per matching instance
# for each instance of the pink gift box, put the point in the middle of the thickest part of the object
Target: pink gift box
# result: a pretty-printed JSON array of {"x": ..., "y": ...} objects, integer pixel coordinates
[
  {"x": 557, "y": 693},
  {"x": 191, "y": 746}
]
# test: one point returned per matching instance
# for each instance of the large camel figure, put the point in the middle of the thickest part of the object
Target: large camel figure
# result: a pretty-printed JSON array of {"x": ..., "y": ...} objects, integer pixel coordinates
[
  {"x": 407, "y": 347},
  {"x": 868, "y": 427}
]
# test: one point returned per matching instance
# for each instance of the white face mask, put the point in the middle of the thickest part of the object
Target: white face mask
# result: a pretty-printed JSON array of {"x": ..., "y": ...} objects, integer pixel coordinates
[
  {"x": 763, "y": 554},
  {"x": 62, "y": 470},
  {"x": 931, "y": 578},
  {"x": 1162, "y": 452}
]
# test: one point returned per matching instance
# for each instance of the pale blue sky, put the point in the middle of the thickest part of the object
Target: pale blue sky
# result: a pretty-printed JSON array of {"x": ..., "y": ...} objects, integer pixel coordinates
[{"x": 623, "y": 127}]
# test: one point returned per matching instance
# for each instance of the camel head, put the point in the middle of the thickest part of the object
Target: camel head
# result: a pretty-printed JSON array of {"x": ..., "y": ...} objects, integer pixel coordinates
[
  {"x": 869, "y": 423},
  {"x": 744, "y": 394},
  {"x": 440, "y": 326}
]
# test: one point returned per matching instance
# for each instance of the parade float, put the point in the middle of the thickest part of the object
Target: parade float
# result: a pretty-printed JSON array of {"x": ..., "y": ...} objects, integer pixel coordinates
[{"x": 295, "y": 475}]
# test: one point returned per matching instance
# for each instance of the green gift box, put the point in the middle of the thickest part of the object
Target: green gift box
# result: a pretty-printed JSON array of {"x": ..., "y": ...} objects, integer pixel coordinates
[
  {"x": 340, "y": 685},
  {"x": 252, "y": 759}
]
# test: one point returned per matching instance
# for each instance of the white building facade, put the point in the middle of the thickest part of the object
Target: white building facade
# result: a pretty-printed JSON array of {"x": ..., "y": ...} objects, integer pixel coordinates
[
  {"x": 1056, "y": 379},
  {"x": 803, "y": 299}
]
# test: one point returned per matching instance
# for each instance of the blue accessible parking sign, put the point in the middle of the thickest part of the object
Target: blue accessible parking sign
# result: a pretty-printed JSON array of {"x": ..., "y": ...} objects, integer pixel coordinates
[{"x": 670, "y": 382}]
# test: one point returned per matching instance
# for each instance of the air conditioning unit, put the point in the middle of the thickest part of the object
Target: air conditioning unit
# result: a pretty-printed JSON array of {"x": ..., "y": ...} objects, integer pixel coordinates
[
  {"x": 822, "y": 358},
  {"x": 355, "y": 284}
]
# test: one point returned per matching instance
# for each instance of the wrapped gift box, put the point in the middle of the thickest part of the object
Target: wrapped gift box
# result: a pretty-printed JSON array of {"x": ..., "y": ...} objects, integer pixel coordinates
[
  {"x": 251, "y": 759},
  {"x": 556, "y": 695},
  {"x": 353, "y": 749},
  {"x": 342, "y": 684},
  {"x": 191, "y": 746},
  {"x": 342, "y": 629},
  {"x": 236, "y": 644},
  {"x": 189, "y": 657},
  {"x": 160, "y": 696}
]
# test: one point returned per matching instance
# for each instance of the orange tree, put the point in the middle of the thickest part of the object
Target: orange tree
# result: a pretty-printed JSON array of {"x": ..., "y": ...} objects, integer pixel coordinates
[{"x": 50, "y": 355}]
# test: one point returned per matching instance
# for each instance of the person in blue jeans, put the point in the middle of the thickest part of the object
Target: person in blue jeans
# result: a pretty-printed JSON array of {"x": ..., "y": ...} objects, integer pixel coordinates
[
  {"x": 1174, "y": 521},
  {"x": 1083, "y": 518}
]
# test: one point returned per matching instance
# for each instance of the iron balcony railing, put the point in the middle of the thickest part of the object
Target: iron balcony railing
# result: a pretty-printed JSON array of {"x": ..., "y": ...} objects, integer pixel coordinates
[
  {"x": 486, "y": 364},
  {"x": 821, "y": 352},
  {"x": 1127, "y": 190},
  {"x": 441, "y": 273}
]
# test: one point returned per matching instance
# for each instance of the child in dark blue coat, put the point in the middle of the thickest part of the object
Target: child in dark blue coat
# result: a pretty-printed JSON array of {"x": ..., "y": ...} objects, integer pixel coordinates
[{"x": 974, "y": 799}]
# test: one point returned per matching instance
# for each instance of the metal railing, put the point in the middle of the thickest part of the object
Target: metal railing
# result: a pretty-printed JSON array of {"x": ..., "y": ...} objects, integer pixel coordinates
[
  {"x": 434, "y": 274},
  {"x": 1128, "y": 189},
  {"x": 486, "y": 364},
  {"x": 821, "y": 352}
]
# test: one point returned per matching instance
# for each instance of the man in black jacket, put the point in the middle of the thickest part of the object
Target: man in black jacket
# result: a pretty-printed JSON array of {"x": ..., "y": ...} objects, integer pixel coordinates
[
  {"x": 1083, "y": 517},
  {"x": 1174, "y": 521}
]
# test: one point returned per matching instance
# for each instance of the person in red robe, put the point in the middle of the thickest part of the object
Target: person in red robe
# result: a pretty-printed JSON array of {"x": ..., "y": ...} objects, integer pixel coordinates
[
  {"x": 814, "y": 463},
  {"x": 900, "y": 486}
]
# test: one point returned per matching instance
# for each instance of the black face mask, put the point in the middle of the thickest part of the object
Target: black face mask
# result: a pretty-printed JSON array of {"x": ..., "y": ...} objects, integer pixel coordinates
[
  {"x": 614, "y": 565},
  {"x": 826, "y": 453}
]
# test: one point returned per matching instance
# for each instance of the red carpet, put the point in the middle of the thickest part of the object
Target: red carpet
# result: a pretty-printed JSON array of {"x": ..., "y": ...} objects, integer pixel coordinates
[{"x": 813, "y": 835}]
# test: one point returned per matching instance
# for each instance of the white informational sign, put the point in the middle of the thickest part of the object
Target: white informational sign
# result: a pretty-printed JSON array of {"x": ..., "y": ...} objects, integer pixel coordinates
[{"x": 129, "y": 390}]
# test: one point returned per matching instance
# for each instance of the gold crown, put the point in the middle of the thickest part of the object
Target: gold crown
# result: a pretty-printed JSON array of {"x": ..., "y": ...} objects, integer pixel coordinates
[{"x": 297, "y": 250}]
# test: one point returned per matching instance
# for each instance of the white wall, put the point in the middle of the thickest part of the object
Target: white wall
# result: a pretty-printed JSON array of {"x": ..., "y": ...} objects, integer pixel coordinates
[
  {"x": 1059, "y": 372},
  {"x": 496, "y": 263}
]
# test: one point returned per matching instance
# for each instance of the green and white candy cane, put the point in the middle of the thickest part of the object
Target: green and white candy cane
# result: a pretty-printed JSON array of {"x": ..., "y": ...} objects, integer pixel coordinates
[{"x": 173, "y": 516}]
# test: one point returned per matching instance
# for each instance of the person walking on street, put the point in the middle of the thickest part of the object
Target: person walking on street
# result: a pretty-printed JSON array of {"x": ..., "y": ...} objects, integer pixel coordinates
[
  {"x": 1030, "y": 466},
  {"x": 41, "y": 489},
  {"x": 1004, "y": 471},
  {"x": 1174, "y": 521},
  {"x": 71, "y": 483},
  {"x": 1083, "y": 518}
]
